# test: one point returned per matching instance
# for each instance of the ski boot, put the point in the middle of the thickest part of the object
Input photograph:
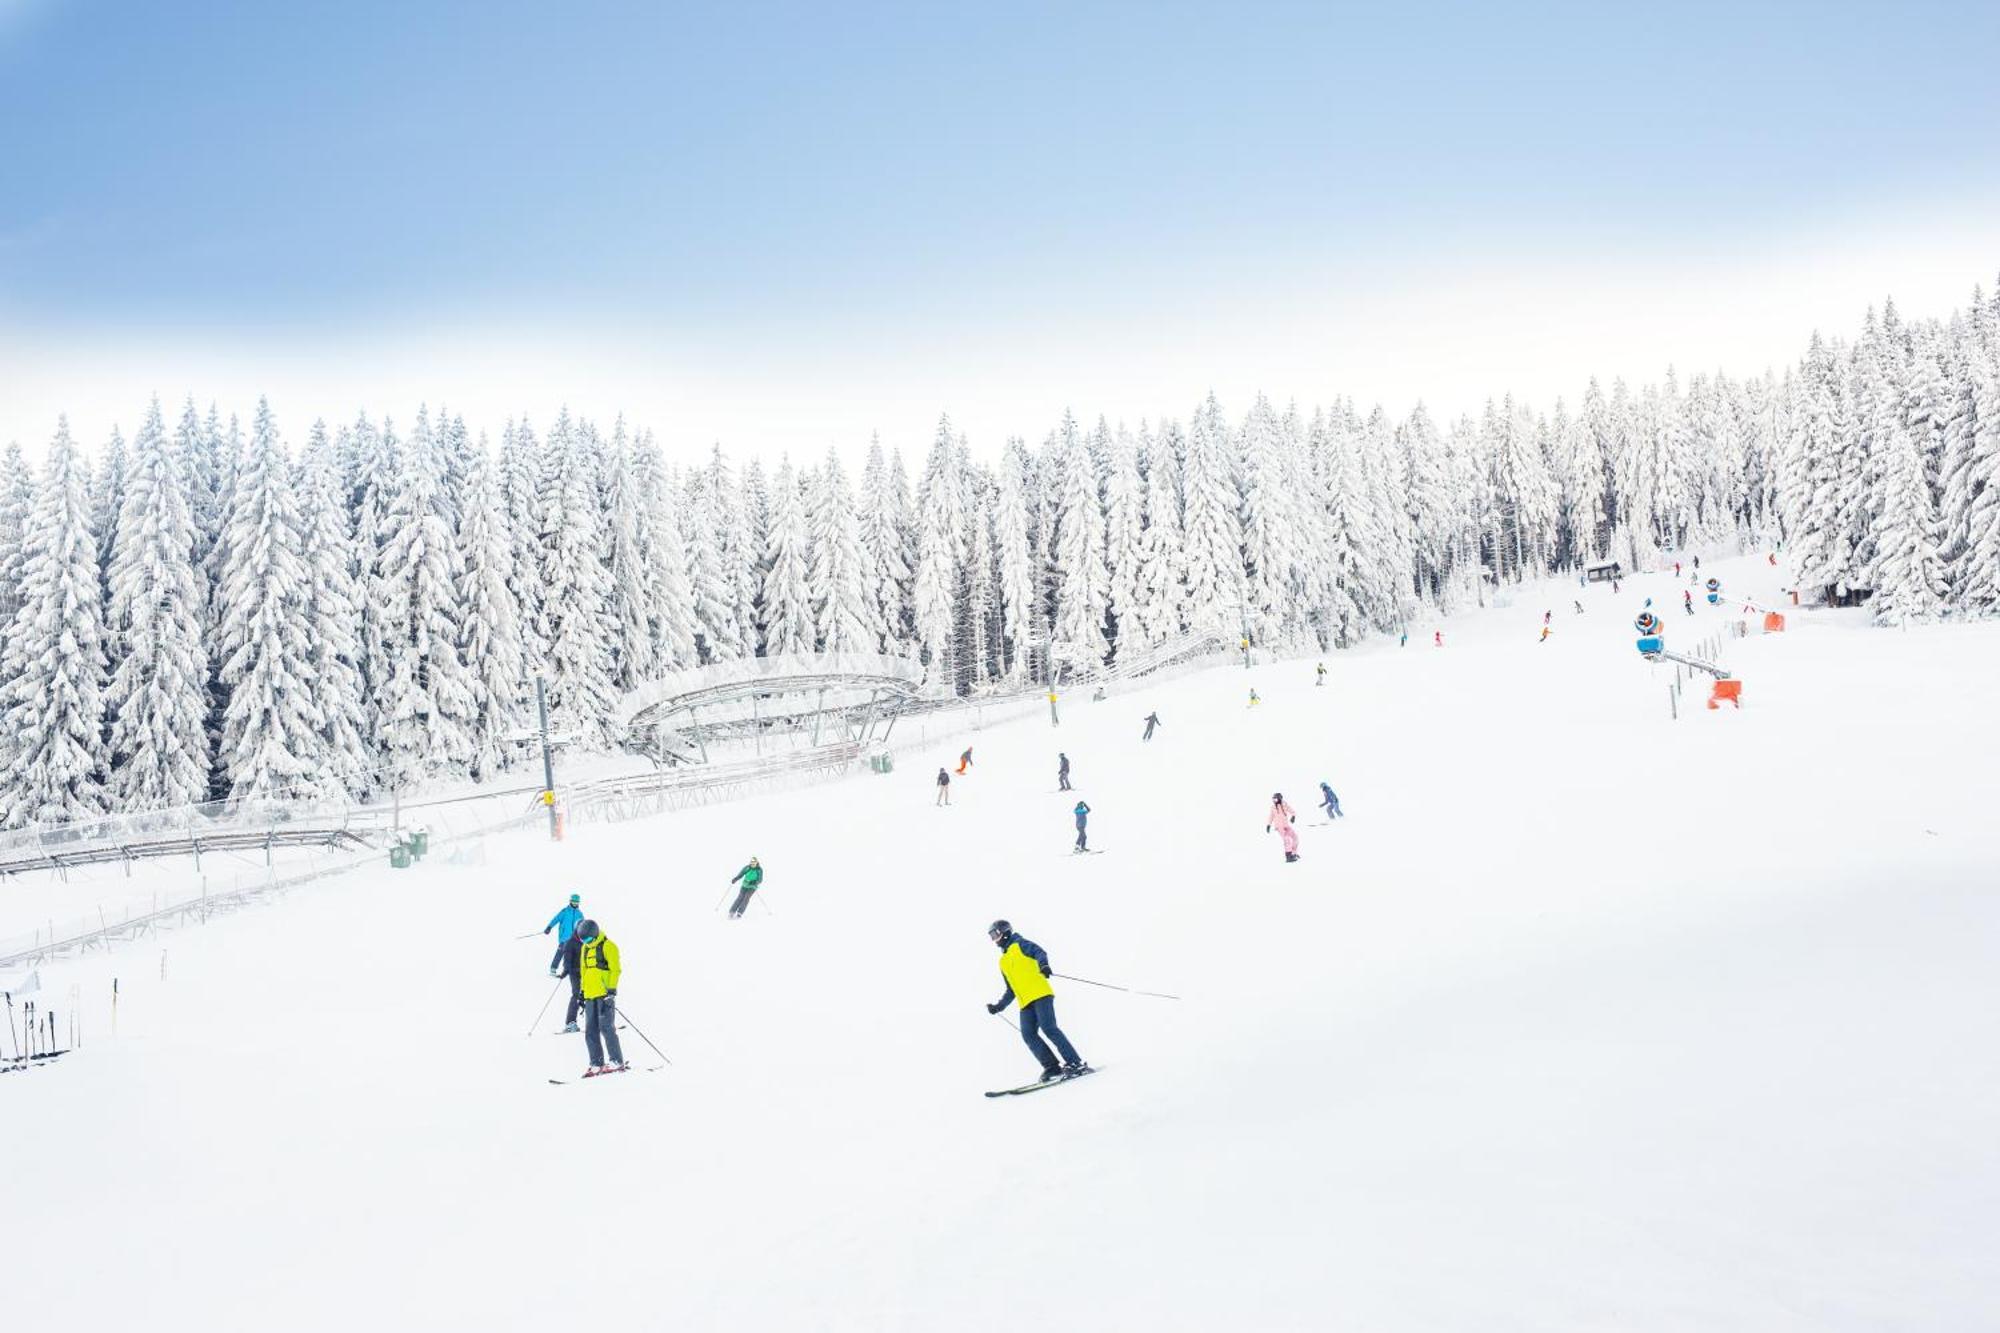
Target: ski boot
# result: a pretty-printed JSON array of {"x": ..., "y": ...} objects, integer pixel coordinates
[
  {"x": 571, "y": 1027},
  {"x": 595, "y": 1070},
  {"x": 1051, "y": 1074},
  {"x": 1075, "y": 1067}
]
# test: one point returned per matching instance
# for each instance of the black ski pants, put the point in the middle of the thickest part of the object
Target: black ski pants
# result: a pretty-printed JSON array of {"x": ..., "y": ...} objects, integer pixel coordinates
[{"x": 736, "y": 908}]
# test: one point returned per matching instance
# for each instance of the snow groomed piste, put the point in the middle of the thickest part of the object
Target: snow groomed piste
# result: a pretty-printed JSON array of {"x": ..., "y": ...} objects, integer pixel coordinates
[{"x": 1452, "y": 1062}]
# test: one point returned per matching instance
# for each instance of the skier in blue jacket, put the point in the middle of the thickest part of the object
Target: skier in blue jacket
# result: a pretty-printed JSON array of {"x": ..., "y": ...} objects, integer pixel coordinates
[
  {"x": 1329, "y": 802},
  {"x": 1082, "y": 827},
  {"x": 564, "y": 923}
]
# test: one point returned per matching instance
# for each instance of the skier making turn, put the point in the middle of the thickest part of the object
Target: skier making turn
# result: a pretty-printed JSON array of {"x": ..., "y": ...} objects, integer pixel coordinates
[
  {"x": 1329, "y": 802},
  {"x": 1152, "y": 720},
  {"x": 1024, "y": 966},
  {"x": 750, "y": 876}
]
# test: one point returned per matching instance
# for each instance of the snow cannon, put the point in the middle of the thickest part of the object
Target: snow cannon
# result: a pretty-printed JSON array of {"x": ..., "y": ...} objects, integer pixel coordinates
[
  {"x": 1714, "y": 591},
  {"x": 1652, "y": 641}
]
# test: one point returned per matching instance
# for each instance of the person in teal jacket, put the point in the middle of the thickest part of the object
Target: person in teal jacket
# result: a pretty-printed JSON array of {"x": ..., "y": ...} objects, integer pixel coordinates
[
  {"x": 750, "y": 876},
  {"x": 564, "y": 923}
]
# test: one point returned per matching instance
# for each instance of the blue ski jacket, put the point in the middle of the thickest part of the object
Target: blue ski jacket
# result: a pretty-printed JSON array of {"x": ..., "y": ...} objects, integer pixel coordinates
[{"x": 564, "y": 923}]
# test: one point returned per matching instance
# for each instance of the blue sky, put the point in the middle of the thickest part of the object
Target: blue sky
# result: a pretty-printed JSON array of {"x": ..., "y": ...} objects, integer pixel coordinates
[{"x": 885, "y": 211}]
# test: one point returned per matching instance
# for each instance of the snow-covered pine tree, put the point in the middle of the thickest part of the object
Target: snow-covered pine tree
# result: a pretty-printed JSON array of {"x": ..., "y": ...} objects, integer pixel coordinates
[
  {"x": 886, "y": 546},
  {"x": 573, "y": 578},
  {"x": 1909, "y": 575},
  {"x": 107, "y": 499},
  {"x": 979, "y": 633},
  {"x": 846, "y": 619},
  {"x": 1082, "y": 582},
  {"x": 671, "y": 616},
  {"x": 630, "y": 587},
  {"x": 1212, "y": 526},
  {"x": 53, "y": 696},
  {"x": 1159, "y": 557},
  {"x": 489, "y": 635},
  {"x": 1124, "y": 528},
  {"x": 331, "y": 616},
  {"x": 271, "y": 726},
  {"x": 940, "y": 546},
  {"x": 158, "y": 694},
  {"x": 427, "y": 707},
  {"x": 786, "y": 602},
  {"x": 518, "y": 481},
  {"x": 1980, "y": 583},
  {"x": 372, "y": 485},
  {"x": 747, "y": 561},
  {"x": 1017, "y": 576},
  {"x": 17, "y": 501},
  {"x": 1270, "y": 523}
]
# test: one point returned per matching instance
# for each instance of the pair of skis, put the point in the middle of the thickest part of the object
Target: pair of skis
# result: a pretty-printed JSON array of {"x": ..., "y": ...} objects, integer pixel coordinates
[
  {"x": 1039, "y": 1084},
  {"x": 628, "y": 1069}
]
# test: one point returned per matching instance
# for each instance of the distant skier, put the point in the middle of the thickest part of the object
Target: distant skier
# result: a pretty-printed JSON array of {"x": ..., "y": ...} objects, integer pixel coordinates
[
  {"x": 1578, "y": 605},
  {"x": 598, "y": 961},
  {"x": 1687, "y": 601},
  {"x": 1254, "y": 700},
  {"x": 1329, "y": 802},
  {"x": 1082, "y": 813},
  {"x": 1152, "y": 720},
  {"x": 564, "y": 923},
  {"x": 1281, "y": 817},
  {"x": 1545, "y": 635},
  {"x": 965, "y": 761},
  {"x": 1697, "y": 564},
  {"x": 1404, "y": 642},
  {"x": 1437, "y": 639},
  {"x": 1677, "y": 569},
  {"x": 1545, "y": 617},
  {"x": 1319, "y": 674},
  {"x": 751, "y": 876},
  {"x": 944, "y": 787},
  {"x": 1024, "y": 966},
  {"x": 1614, "y": 587},
  {"x": 1062, "y": 773}
]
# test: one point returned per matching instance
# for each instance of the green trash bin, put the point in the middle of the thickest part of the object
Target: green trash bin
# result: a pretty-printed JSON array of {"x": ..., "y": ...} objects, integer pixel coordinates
[
  {"x": 399, "y": 856},
  {"x": 420, "y": 843}
]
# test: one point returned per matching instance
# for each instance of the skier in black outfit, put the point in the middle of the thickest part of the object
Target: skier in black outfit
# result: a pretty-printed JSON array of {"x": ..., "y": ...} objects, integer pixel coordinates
[
  {"x": 1062, "y": 773},
  {"x": 1152, "y": 720},
  {"x": 572, "y": 967}
]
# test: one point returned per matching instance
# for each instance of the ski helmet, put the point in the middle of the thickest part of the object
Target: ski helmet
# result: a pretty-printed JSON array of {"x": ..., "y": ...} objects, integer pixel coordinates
[
  {"x": 587, "y": 931},
  {"x": 999, "y": 931}
]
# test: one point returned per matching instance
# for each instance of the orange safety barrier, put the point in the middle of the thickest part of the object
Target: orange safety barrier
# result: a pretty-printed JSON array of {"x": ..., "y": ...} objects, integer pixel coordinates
[
  {"x": 1731, "y": 690},
  {"x": 1773, "y": 623}
]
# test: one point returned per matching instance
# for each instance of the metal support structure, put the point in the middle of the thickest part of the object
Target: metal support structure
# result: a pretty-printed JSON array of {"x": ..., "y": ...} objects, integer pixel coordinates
[{"x": 548, "y": 760}]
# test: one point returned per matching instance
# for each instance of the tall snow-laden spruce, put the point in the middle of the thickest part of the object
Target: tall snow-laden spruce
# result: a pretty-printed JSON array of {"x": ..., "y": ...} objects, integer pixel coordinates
[
  {"x": 519, "y": 487},
  {"x": 886, "y": 546},
  {"x": 715, "y": 550},
  {"x": 53, "y": 697},
  {"x": 332, "y": 619},
  {"x": 1018, "y": 593},
  {"x": 17, "y": 502},
  {"x": 664, "y": 548},
  {"x": 786, "y": 604},
  {"x": 940, "y": 549},
  {"x": 490, "y": 633},
  {"x": 427, "y": 704},
  {"x": 573, "y": 579},
  {"x": 1124, "y": 528},
  {"x": 1082, "y": 582},
  {"x": 630, "y": 583},
  {"x": 271, "y": 725},
  {"x": 1158, "y": 557},
  {"x": 845, "y": 618},
  {"x": 1211, "y": 527},
  {"x": 158, "y": 696},
  {"x": 372, "y": 484}
]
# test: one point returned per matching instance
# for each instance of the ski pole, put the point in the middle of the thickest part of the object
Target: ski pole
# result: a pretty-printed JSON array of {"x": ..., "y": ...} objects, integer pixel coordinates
[
  {"x": 724, "y": 898},
  {"x": 1108, "y": 986},
  {"x": 767, "y": 906},
  {"x": 643, "y": 1037},
  {"x": 531, "y": 934},
  {"x": 545, "y": 1006},
  {"x": 12, "y": 1035}
]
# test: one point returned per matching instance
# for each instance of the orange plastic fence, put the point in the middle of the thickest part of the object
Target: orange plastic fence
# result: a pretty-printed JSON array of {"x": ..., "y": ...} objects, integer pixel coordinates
[
  {"x": 1731, "y": 690},
  {"x": 1773, "y": 623}
]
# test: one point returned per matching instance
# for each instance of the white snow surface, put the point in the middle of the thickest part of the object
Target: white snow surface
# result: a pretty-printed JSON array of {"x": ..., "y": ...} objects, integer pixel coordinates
[{"x": 1582, "y": 1019}]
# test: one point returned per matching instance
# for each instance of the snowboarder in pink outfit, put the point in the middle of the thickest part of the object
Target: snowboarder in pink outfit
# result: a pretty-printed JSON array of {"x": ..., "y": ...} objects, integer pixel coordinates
[
  {"x": 1438, "y": 638},
  {"x": 1281, "y": 817}
]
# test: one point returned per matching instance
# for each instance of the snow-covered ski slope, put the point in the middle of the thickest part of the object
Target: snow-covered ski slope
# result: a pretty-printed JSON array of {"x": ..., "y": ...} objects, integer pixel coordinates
[{"x": 1582, "y": 1019}]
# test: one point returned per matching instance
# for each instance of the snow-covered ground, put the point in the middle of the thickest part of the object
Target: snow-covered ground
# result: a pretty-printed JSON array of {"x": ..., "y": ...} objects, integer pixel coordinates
[{"x": 1584, "y": 1018}]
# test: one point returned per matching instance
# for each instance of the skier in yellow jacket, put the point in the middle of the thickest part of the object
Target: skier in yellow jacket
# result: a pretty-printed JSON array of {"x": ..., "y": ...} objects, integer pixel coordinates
[
  {"x": 1025, "y": 967},
  {"x": 598, "y": 965}
]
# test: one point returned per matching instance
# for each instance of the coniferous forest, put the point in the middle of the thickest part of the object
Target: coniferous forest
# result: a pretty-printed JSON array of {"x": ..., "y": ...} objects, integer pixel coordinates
[{"x": 215, "y": 608}]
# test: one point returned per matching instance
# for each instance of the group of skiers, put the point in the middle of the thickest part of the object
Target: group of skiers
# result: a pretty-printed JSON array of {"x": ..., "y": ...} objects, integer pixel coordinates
[{"x": 586, "y": 955}]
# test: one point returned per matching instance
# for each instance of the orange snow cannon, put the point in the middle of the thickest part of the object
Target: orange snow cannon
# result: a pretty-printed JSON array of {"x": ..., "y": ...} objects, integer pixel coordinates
[
  {"x": 1732, "y": 690},
  {"x": 1773, "y": 623}
]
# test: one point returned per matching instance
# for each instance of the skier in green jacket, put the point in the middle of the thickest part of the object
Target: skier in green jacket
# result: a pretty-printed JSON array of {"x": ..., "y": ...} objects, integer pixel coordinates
[{"x": 751, "y": 876}]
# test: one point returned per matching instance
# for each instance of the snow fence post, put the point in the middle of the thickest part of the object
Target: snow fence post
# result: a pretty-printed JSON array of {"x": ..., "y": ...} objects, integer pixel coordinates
[{"x": 1673, "y": 703}]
